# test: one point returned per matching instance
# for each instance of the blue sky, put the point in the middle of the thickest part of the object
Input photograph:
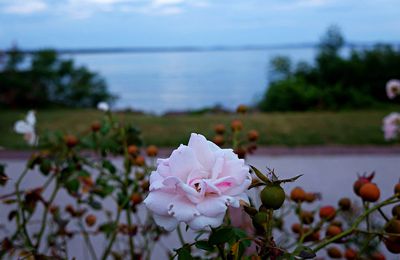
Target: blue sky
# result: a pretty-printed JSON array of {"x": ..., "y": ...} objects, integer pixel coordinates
[{"x": 119, "y": 23}]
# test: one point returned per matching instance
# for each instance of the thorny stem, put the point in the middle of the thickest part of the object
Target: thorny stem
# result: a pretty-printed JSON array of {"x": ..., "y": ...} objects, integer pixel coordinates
[{"x": 356, "y": 223}]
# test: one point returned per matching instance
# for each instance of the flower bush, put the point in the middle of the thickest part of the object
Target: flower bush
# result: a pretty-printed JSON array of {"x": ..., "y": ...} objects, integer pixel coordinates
[{"x": 235, "y": 210}]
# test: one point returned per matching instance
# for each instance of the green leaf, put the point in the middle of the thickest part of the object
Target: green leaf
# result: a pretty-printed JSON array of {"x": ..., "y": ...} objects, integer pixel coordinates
[
  {"x": 122, "y": 200},
  {"x": 184, "y": 253},
  {"x": 107, "y": 228},
  {"x": 109, "y": 166},
  {"x": 204, "y": 245},
  {"x": 260, "y": 175},
  {"x": 72, "y": 186},
  {"x": 221, "y": 236},
  {"x": 304, "y": 252},
  {"x": 83, "y": 173},
  {"x": 290, "y": 179},
  {"x": 94, "y": 204}
]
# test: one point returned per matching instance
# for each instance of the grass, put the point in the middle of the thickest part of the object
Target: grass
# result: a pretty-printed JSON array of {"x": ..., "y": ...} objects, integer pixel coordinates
[{"x": 288, "y": 129}]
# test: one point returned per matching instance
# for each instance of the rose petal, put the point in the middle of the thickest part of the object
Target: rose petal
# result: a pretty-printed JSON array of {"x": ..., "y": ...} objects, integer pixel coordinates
[
  {"x": 236, "y": 190},
  {"x": 182, "y": 162},
  {"x": 23, "y": 127},
  {"x": 156, "y": 181},
  {"x": 213, "y": 206},
  {"x": 168, "y": 223},
  {"x": 182, "y": 209},
  {"x": 202, "y": 150},
  {"x": 203, "y": 222},
  {"x": 158, "y": 201},
  {"x": 31, "y": 118}
]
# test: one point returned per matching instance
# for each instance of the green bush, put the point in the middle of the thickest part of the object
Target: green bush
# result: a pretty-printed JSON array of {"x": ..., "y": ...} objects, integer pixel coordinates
[
  {"x": 332, "y": 81},
  {"x": 290, "y": 94},
  {"x": 44, "y": 79}
]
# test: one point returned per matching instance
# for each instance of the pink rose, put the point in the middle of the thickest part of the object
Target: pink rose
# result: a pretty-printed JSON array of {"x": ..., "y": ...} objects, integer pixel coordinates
[
  {"x": 196, "y": 184},
  {"x": 391, "y": 125},
  {"x": 393, "y": 88}
]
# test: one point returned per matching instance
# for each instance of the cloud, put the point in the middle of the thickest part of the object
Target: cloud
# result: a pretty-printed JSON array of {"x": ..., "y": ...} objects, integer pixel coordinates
[
  {"x": 166, "y": 2},
  {"x": 24, "y": 7}
]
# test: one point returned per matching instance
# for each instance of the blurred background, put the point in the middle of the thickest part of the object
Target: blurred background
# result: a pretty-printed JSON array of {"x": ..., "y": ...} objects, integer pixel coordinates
[{"x": 329, "y": 58}]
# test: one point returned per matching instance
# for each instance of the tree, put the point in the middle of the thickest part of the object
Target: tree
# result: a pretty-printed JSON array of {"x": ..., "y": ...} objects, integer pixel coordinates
[{"x": 49, "y": 81}]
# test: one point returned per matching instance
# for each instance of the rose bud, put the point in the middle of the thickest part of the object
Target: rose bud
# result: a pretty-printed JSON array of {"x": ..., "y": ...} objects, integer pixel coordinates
[
  {"x": 272, "y": 196},
  {"x": 397, "y": 188},
  {"x": 95, "y": 126},
  {"x": 219, "y": 140},
  {"x": 310, "y": 197},
  {"x": 350, "y": 254},
  {"x": 236, "y": 125},
  {"x": 298, "y": 195},
  {"x": 219, "y": 129},
  {"x": 133, "y": 149},
  {"x": 344, "y": 204},
  {"x": 252, "y": 135},
  {"x": 241, "y": 109},
  {"x": 71, "y": 140},
  {"x": 139, "y": 161},
  {"x": 370, "y": 192},
  {"x": 136, "y": 198},
  {"x": 296, "y": 228},
  {"x": 145, "y": 185},
  {"x": 334, "y": 252},
  {"x": 378, "y": 256},
  {"x": 90, "y": 220},
  {"x": 152, "y": 151},
  {"x": 307, "y": 217},
  {"x": 241, "y": 153},
  {"x": 332, "y": 231},
  {"x": 392, "y": 244},
  {"x": 396, "y": 211},
  {"x": 327, "y": 212},
  {"x": 361, "y": 181}
]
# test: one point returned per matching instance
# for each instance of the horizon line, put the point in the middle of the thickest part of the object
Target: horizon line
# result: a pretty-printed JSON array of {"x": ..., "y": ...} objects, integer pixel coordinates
[{"x": 164, "y": 49}]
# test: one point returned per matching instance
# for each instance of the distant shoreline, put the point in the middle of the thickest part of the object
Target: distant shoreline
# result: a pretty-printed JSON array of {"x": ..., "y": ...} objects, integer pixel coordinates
[{"x": 215, "y": 48}]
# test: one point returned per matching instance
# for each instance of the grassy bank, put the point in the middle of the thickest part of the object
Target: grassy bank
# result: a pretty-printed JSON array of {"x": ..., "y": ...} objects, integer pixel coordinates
[{"x": 290, "y": 129}]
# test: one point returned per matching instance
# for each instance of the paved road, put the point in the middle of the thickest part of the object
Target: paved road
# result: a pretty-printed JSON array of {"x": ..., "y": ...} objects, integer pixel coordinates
[{"x": 332, "y": 175}]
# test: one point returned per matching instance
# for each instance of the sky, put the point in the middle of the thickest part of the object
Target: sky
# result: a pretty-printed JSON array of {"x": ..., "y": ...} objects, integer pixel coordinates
[{"x": 152, "y": 23}]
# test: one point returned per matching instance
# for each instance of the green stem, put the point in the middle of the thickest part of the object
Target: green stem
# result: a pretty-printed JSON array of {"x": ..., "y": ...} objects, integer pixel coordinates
[
  {"x": 366, "y": 206},
  {"x": 113, "y": 236},
  {"x": 87, "y": 241},
  {"x": 356, "y": 223},
  {"x": 21, "y": 210},
  {"x": 131, "y": 244},
  {"x": 221, "y": 251},
  {"x": 269, "y": 224},
  {"x": 383, "y": 214},
  {"x": 179, "y": 231},
  {"x": 45, "y": 213}
]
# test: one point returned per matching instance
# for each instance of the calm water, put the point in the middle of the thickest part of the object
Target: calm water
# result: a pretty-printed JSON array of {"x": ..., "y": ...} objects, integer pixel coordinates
[{"x": 159, "y": 82}]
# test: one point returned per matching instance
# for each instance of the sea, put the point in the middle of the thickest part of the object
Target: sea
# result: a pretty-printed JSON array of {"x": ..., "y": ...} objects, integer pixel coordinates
[{"x": 160, "y": 82}]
